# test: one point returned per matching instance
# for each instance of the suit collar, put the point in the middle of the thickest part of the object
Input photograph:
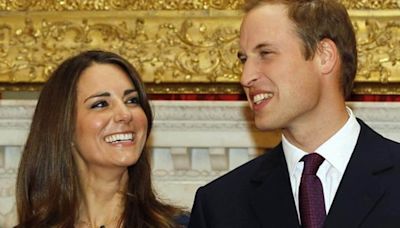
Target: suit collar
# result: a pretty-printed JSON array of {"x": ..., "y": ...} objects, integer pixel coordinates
[
  {"x": 360, "y": 188},
  {"x": 272, "y": 199}
]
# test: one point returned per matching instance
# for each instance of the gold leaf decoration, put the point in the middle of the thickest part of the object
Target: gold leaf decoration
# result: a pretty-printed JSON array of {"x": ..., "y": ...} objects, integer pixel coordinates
[
  {"x": 178, "y": 46},
  {"x": 111, "y": 5},
  {"x": 107, "y": 5},
  {"x": 378, "y": 42},
  {"x": 371, "y": 4},
  {"x": 163, "y": 49}
]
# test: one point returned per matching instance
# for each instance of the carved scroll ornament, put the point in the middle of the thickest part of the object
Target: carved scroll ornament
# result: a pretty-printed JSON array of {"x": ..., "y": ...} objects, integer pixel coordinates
[
  {"x": 74, "y": 5},
  {"x": 178, "y": 47}
]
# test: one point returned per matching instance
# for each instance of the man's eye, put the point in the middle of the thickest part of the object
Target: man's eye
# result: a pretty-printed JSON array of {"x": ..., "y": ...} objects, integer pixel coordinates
[
  {"x": 264, "y": 53},
  {"x": 242, "y": 58},
  {"x": 99, "y": 104},
  {"x": 133, "y": 100}
]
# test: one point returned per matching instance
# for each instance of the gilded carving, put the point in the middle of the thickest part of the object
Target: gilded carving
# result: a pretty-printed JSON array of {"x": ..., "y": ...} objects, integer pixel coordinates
[
  {"x": 371, "y": 4},
  {"x": 109, "y": 5},
  {"x": 178, "y": 46},
  {"x": 379, "y": 50},
  {"x": 106, "y": 5},
  {"x": 163, "y": 49}
]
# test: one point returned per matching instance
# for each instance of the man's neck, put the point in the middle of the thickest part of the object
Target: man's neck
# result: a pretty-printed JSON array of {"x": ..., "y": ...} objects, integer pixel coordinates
[{"x": 309, "y": 135}]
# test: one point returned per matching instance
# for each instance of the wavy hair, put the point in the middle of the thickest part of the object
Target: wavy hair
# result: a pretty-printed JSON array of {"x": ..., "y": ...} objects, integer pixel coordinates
[{"x": 47, "y": 188}]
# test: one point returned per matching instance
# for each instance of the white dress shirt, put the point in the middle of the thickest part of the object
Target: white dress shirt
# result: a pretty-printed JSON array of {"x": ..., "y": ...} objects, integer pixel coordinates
[{"x": 337, "y": 151}]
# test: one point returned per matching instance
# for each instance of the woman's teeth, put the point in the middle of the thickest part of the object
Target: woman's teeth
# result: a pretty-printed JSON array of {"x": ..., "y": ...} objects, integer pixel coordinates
[{"x": 119, "y": 137}]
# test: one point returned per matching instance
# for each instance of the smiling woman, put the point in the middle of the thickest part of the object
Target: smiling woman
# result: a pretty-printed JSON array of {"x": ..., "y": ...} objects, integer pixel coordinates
[
  {"x": 84, "y": 163},
  {"x": 111, "y": 126}
]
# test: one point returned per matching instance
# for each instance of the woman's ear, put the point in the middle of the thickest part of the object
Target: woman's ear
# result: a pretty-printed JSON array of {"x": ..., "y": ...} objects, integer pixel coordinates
[
  {"x": 73, "y": 145},
  {"x": 328, "y": 55}
]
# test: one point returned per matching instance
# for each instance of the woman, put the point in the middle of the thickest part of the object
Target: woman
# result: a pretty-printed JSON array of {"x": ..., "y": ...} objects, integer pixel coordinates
[{"x": 84, "y": 163}]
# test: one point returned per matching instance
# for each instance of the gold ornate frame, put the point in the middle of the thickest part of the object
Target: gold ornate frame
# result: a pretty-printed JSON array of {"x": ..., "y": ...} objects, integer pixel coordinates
[{"x": 179, "y": 46}]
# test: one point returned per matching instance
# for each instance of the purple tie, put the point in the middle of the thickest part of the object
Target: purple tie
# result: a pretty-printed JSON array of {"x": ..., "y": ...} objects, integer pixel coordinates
[{"x": 311, "y": 195}]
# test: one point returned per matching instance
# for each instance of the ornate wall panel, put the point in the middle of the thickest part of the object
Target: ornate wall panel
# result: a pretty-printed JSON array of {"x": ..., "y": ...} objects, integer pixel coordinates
[
  {"x": 378, "y": 37},
  {"x": 179, "y": 46}
]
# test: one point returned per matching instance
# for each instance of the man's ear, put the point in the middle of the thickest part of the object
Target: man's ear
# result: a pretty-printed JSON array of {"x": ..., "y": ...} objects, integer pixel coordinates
[{"x": 328, "y": 55}]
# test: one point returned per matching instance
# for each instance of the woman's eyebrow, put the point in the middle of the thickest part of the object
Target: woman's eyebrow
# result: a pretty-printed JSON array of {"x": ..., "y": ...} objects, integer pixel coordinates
[
  {"x": 104, "y": 94},
  {"x": 129, "y": 91}
]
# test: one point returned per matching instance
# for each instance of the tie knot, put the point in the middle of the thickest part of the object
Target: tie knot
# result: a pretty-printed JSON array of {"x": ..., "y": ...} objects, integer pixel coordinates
[{"x": 312, "y": 162}]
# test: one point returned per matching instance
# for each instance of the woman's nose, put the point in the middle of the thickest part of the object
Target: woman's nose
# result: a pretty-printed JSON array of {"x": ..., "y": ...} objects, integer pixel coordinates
[{"x": 122, "y": 113}]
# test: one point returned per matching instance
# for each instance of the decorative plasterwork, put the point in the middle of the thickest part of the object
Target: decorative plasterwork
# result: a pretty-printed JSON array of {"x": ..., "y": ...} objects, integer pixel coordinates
[
  {"x": 105, "y": 5},
  {"x": 176, "y": 122},
  {"x": 203, "y": 115},
  {"x": 178, "y": 46},
  {"x": 164, "y": 48},
  {"x": 187, "y": 116},
  {"x": 378, "y": 39},
  {"x": 16, "y": 115},
  {"x": 371, "y": 4}
]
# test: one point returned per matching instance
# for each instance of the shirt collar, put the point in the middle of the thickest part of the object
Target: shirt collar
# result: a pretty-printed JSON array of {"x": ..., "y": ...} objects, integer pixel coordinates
[
  {"x": 336, "y": 150},
  {"x": 292, "y": 155}
]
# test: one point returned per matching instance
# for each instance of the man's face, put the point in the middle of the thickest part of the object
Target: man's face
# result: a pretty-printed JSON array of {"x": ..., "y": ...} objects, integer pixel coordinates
[{"x": 283, "y": 88}]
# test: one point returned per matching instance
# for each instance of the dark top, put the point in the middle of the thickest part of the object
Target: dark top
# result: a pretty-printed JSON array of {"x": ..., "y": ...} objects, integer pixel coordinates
[
  {"x": 259, "y": 195},
  {"x": 182, "y": 220}
]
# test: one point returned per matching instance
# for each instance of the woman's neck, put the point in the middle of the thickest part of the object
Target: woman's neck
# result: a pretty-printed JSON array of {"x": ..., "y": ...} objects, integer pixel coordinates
[
  {"x": 102, "y": 201},
  {"x": 101, "y": 209}
]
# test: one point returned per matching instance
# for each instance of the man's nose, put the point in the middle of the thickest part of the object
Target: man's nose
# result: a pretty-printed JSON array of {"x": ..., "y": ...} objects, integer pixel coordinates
[{"x": 250, "y": 73}]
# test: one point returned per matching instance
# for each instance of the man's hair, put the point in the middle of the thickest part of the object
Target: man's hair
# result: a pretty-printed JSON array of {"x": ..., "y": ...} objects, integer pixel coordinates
[{"x": 316, "y": 20}]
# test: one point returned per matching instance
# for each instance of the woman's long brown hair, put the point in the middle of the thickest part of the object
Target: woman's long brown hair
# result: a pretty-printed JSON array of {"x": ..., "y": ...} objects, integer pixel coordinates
[{"x": 47, "y": 188}]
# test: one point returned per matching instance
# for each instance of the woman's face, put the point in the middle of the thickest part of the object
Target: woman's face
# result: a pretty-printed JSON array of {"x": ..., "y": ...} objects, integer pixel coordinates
[{"x": 111, "y": 125}]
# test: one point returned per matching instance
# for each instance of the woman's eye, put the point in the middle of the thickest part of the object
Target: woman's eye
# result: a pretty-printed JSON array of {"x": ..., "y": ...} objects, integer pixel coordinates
[
  {"x": 99, "y": 104},
  {"x": 133, "y": 100}
]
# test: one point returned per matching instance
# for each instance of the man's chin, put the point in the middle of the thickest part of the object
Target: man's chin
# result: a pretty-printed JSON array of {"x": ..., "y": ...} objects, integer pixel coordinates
[{"x": 265, "y": 126}]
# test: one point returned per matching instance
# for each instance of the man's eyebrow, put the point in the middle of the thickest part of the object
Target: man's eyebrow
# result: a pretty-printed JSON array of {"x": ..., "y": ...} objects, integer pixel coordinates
[
  {"x": 255, "y": 49},
  {"x": 261, "y": 45},
  {"x": 104, "y": 94}
]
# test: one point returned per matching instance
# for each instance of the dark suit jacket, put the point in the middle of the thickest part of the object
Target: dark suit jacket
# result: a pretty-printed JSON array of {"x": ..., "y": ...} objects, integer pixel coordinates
[{"x": 258, "y": 194}]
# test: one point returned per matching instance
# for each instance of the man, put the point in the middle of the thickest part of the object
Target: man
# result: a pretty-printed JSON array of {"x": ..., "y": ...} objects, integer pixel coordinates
[{"x": 299, "y": 62}]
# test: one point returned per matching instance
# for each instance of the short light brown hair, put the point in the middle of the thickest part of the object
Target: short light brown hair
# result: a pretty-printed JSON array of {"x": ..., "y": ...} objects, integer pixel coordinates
[{"x": 319, "y": 19}]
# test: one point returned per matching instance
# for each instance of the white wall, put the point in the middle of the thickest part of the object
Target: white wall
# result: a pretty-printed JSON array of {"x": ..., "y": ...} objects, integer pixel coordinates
[{"x": 193, "y": 142}]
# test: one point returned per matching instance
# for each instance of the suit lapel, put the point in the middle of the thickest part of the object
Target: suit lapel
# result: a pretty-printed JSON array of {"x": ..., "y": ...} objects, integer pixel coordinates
[
  {"x": 272, "y": 199},
  {"x": 360, "y": 188}
]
